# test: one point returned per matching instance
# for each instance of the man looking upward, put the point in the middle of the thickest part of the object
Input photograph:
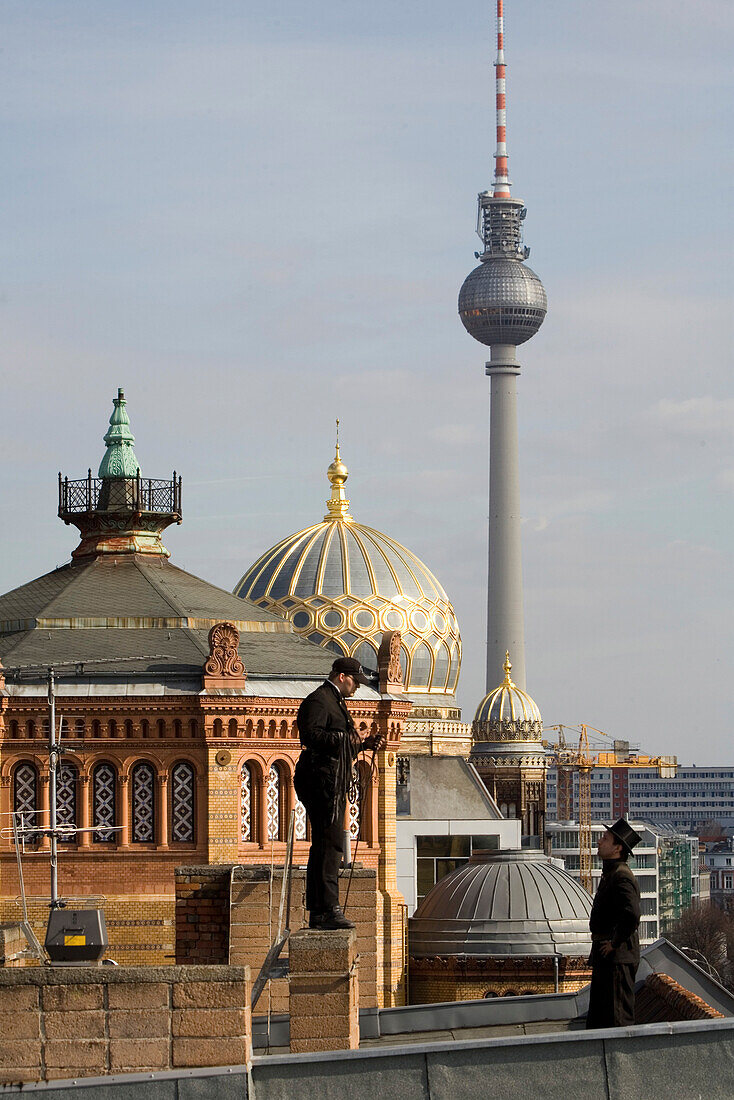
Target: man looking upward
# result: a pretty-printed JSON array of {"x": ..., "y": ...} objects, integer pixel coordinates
[
  {"x": 330, "y": 743},
  {"x": 614, "y": 920}
]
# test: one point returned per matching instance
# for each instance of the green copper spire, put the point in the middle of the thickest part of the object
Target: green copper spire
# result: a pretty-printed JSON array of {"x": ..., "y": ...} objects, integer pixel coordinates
[{"x": 119, "y": 459}]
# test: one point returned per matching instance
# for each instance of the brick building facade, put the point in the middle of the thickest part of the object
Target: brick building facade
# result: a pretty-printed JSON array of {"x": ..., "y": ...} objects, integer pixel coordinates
[{"x": 176, "y": 704}]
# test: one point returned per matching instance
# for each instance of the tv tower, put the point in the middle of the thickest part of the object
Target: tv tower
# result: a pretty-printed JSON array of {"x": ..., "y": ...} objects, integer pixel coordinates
[{"x": 502, "y": 304}]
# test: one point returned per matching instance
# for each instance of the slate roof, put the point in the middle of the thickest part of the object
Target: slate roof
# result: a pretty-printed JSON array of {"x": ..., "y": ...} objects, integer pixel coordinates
[
  {"x": 129, "y": 606},
  {"x": 125, "y": 585}
]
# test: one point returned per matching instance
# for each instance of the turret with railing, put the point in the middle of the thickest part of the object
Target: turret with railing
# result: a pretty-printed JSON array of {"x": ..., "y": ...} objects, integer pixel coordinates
[{"x": 119, "y": 511}]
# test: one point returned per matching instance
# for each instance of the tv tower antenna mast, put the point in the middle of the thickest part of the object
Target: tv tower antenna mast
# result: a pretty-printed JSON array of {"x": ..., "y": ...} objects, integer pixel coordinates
[{"x": 502, "y": 304}]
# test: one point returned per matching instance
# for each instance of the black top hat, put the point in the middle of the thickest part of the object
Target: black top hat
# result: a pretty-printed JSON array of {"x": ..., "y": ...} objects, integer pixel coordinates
[
  {"x": 350, "y": 666},
  {"x": 625, "y": 834}
]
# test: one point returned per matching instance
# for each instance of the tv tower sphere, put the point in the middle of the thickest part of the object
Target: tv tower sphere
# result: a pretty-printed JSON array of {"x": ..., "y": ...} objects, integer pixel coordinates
[{"x": 502, "y": 302}]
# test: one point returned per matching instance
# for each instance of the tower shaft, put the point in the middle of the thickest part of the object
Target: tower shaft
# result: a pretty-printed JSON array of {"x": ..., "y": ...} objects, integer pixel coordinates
[{"x": 505, "y": 626}]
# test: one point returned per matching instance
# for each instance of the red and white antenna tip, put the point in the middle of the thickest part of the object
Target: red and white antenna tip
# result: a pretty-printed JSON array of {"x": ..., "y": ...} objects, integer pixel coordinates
[{"x": 501, "y": 186}]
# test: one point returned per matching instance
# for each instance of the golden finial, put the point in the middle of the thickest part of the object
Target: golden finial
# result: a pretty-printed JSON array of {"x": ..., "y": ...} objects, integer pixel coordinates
[
  {"x": 508, "y": 669},
  {"x": 337, "y": 474}
]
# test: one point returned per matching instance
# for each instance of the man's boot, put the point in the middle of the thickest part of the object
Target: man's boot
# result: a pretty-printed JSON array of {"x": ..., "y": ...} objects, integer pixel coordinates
[{"x": 333, "y": 919}]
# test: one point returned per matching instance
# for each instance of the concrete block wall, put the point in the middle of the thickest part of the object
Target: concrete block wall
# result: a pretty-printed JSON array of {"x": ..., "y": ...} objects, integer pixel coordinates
[
  {"x": 324, "y": 991},
  {"x": 62, "y": 1022}
]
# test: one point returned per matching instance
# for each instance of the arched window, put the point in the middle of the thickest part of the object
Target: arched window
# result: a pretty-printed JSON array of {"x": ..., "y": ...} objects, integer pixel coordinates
[
  {"x": 143, "y": 799},
  {"x": 441, "y": 667},
  {"x": 272, "y": 803},
  {"x": 13, "y": 728},
  {"x": 247, "y": 804},
  {"x": 232, "y": 728},
  {"x": 25, "y": 799},
  {"x": 66, "y": 801},
  {"x": 366, "y": 654},
  {"x": 182, "y": 801},
  {"x": 359, "y": 801},
  {"x": 420, "y": 666},
  {"x": 104, "y": 802},
  {"x": 193, "y": 728},
  {"x": 354, "y": 820},
  {"x": 177, "y": 728},
  {"x": 144, "y": 727},
  {"x": 299, "y": 828}
]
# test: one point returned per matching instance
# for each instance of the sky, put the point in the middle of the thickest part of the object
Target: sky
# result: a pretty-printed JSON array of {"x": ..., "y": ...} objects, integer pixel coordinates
[{"x": 256, "y": 215}]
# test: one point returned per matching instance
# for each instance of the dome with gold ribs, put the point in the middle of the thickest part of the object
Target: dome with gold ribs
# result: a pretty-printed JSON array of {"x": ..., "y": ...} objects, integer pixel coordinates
[
  {"x": 507, "y": 713},
  {"x": 342, "y": 584}
]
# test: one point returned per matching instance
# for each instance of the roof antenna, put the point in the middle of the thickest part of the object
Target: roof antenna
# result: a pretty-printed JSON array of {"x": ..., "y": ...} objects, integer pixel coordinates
[{"x": 501, "y": 188}]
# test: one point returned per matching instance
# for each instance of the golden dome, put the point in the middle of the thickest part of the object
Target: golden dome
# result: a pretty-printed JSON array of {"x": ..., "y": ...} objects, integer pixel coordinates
[
  {"x": 508, "y": 710},
  {"x": 342, "y": 584}
]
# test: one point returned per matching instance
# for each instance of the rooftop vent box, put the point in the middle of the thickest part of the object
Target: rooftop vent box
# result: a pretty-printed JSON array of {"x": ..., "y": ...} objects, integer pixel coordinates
[{"x": 76, "y": 936}]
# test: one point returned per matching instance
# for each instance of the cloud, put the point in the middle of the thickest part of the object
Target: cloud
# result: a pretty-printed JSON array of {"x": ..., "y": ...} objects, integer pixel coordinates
[{"x": 696, "y": 417}]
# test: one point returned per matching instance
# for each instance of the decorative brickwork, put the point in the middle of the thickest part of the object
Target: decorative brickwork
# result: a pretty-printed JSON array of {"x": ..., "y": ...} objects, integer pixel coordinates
[
  {"x": 202, "y": 918},
  {"x": 133, "y": 869},
  {"x": 464, "y": 978}
]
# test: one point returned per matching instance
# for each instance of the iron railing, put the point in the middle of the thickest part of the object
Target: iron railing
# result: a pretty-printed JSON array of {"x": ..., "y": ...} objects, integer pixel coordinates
[{"x": 136, "y": 494}]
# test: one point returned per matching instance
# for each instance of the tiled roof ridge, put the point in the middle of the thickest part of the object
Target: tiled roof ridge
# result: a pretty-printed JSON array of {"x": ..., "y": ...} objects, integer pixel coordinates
[
  {"x": 199, "y": 580},
  {"x": 176, "y": 607},
  {"x": 80, "y": 569},
  {"x": 681, "y": 1000}
]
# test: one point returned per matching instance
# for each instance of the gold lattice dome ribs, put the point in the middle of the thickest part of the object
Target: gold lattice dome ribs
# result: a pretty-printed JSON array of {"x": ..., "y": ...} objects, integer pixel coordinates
[
  {"x": 342, "y": 584},
  {"x": 508, "y": 713}
]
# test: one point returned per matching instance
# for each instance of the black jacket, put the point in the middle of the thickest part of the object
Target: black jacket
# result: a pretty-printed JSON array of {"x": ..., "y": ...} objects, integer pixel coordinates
[
  {"x": 615, "y": 914},
  {"x": 330, "y": 743}
]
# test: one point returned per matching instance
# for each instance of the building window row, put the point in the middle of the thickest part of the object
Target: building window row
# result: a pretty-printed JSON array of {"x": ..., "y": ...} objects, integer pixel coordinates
[
  {"x": 268, "y": 797},
  {"x": 105, "y": 801}
]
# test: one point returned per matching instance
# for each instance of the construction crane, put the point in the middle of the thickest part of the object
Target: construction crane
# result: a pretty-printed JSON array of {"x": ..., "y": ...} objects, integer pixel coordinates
[
  {"x": 585, "y": 764},
  {"x": 568, "y": 760}
]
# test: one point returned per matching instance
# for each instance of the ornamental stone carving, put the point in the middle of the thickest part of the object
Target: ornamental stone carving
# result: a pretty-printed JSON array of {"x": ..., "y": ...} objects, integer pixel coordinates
[
  {"x": 224, "y": 667},
  {"x": 388, "y": 663}
]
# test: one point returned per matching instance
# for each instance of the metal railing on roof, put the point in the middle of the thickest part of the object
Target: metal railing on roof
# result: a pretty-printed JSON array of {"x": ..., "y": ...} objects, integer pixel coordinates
[{"x": 136, "y": 494}]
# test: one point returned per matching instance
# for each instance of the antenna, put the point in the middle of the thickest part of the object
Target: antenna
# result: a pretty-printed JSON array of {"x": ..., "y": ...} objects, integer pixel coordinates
[
  {"x": 501, "y": 187},
  {"x": 56, "y": 832}
]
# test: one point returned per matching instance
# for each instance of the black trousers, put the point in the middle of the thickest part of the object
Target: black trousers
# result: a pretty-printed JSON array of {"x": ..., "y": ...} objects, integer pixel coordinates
[
  {"x": 324, "y": 859},
  {"x": 612, "y": 1001}
]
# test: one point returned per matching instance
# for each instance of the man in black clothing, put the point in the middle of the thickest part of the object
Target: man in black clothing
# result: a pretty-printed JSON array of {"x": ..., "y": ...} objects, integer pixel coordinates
[
  {"x": 330, "y": 743},
  {"x": 614, "y": 920}
]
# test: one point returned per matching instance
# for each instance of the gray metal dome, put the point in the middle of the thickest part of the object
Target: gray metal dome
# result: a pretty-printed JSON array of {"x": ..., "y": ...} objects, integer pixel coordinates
[
  {"x": 503, "y": 903},
  {"x": 502, "y": 302}
]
